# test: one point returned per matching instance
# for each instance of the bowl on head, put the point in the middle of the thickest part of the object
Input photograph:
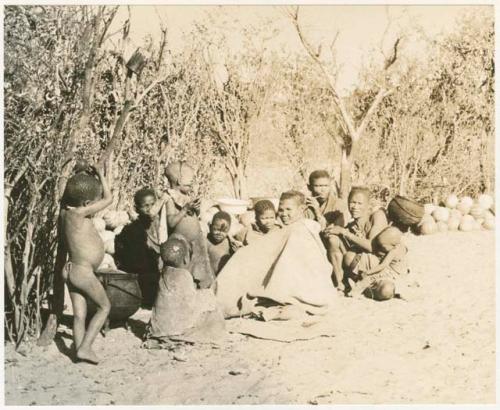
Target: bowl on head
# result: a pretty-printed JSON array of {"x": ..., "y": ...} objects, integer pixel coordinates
[{"x": 233, "y": 206}]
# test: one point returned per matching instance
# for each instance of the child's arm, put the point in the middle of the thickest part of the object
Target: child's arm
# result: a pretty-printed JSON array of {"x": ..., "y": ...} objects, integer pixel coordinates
[
  {"x": 388, "y": 258},
  {"x": 105, "y": 201},
  {"x": 174, "y": 218},
  {"x": 156, "y": 208}
]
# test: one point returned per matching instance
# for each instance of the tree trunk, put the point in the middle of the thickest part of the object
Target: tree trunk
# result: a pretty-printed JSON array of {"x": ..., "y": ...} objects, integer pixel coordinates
[{"x": 345, "y": 173}]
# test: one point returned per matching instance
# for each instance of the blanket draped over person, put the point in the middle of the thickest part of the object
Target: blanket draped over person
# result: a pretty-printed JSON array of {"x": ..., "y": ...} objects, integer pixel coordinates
[{"x": 288, "y": 266}]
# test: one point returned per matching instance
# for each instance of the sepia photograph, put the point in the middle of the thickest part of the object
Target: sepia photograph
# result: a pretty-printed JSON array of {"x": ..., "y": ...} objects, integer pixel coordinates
[{"x": 223, "y": 204}]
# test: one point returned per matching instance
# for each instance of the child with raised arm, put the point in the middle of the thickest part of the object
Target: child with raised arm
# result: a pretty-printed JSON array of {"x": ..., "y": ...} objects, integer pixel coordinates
[{"x": 84, "y": 196}]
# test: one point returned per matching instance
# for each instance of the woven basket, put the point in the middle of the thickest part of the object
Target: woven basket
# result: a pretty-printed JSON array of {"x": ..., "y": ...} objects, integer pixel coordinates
[{"x": 405, "y": 211}]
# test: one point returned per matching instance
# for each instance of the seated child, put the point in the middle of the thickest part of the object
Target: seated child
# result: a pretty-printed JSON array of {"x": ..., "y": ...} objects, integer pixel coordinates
[
  {"x": 84, "y": 196},
  {"x": 323, "y": 206},
  {"x": 265, "y": 222},
  {"x": 220, "y": 245},
  {"x": 182, "y": 217},
  {"x": 179, "y": 308},
  {"x": 356, "y": 236},
  {"x": 376, "y": 278},
  {"x": 137, "y": 247}
]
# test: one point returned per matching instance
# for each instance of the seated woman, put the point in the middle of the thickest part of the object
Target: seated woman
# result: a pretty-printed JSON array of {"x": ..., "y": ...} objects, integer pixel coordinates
[
  {"x": 285, "y": 271},
  {"x": 356, "y": 237}
]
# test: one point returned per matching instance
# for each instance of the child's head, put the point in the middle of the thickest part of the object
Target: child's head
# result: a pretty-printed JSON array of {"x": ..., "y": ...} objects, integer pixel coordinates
[
  {"x": 359, "y": 202},
  {"x": 387, "y": 240},
  {"x": 144, "y": 199},
  {"x": 320, "y": 184},
  {"x": 180, "y": 176},
  {"x": 81, "y": 190},
  {"x": 219, "y": 228},
  {"x": 291, "y": 207},
  {"x": 265, "y": 215},
  {"x": 175, "y": 252}
]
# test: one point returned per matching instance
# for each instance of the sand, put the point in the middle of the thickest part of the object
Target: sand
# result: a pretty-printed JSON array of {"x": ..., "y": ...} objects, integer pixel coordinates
[{"x": 437, "y": 347}]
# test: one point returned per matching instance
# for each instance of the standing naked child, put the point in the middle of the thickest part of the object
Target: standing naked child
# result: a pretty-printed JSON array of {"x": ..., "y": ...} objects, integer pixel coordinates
[
  {"x": 357, "y": 236},
  {"x": 83, "y": 197},
  {"x": 376, "y": 279},
  {"x": 220, "y": 245}
]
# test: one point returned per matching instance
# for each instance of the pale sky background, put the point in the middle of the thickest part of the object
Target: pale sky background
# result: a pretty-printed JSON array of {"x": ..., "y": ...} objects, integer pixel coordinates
[{"x": 361, "y": 27}]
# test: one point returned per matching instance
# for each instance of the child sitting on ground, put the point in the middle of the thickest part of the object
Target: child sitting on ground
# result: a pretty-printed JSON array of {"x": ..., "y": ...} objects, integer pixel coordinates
[
  {"x": 220, "y": 245},
  {"x": 376, "y": 279},
  {"x": 180, "y": 309},
  {"x": 265, "y": 222},
  {"x": 323, "y": 206},
  {"x": 84, "y": 196}
]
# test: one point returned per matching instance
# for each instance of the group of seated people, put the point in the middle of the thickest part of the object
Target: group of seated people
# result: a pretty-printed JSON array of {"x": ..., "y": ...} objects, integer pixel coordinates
[{"x": 294, "y": 258}]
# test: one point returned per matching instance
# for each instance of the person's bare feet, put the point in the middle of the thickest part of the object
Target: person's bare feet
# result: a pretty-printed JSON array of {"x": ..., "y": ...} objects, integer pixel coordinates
[{"x": 87, "y": 355}]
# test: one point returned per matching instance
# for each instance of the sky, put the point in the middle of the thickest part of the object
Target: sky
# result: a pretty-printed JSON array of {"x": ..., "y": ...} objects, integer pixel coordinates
[{"x": 363, "y": 30}]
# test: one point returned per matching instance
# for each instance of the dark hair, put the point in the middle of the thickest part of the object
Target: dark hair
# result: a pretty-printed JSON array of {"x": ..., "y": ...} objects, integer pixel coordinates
[
  {"x": 141, "y": 194},
  {"x": 80, "y": 188},
  {"x": 262, "y": 206},
  {"x": 319, "y": 173},
  {"x": 297, "y": 195},
  {"x": 359, "y": 190},
  {"x": 174, "y": 251},
  {"x": 222, "y": 216}
]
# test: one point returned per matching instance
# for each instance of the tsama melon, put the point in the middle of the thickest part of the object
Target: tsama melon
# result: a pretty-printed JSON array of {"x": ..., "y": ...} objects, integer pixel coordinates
[
  {"x": 489, "y": 223},
  {"x": 453, "y": 223},
  {"x": 464, "y": 207},
  {"x": 107, "y": 236},
  {"x": 109, "y": 246},
  {"x": 467, "y": 223},
  {"x": 485, "y": 201},
  {"x": 428, "y": 227},
  {"x": 107, "y": 263},
  {"x": 452, "y": 201},
  {"x": 455, "y": 213},
  {"x": 442, "y": 226},
  {"x": 441, "y": 214},
  {"x": 476, "y": 211}
]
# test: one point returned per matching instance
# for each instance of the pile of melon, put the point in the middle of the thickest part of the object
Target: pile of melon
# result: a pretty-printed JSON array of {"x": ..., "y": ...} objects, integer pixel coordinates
[
  {"x": 108, "y": 226},
  {"x": 459, "y": 214}
]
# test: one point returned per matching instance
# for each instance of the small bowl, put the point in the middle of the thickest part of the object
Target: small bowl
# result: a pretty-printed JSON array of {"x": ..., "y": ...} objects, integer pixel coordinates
[{"x": 233, "y": 206}]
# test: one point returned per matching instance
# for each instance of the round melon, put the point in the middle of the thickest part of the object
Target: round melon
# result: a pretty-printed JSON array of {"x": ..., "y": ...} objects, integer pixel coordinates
[
  {"x": 476, "y": 211},
  {"x": 451, "y": 201},
  {"x": 426, "y": 218},
  {"x": 132, "y": 215},
  {"x": 99, "y": 224},
  {"x": 112, "y": 219},
  {"x": 118, "y": 230},
  {"x": 467, "y": 223},
  {"x": 122, "y": 218},
  {"x": 455, "y": 213},
  {"x": 441, "y": 214},
  {"x": 489, "y": 223},
  {"x": 428, "y": 227},
  {"x": 429, "y": 208},
  {"x": 106, "y": 236},
  {"x": 453, "y": 223},
  {"x": 189, "y": 227},
  {"x": 464, "y": 207},
  {"x": 442, "y": 226},
  {"x": 485, "y": 201}
]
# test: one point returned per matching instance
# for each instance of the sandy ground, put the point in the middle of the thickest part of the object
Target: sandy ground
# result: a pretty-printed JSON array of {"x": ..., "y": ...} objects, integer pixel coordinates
[{"x": 437, "y": 347}]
